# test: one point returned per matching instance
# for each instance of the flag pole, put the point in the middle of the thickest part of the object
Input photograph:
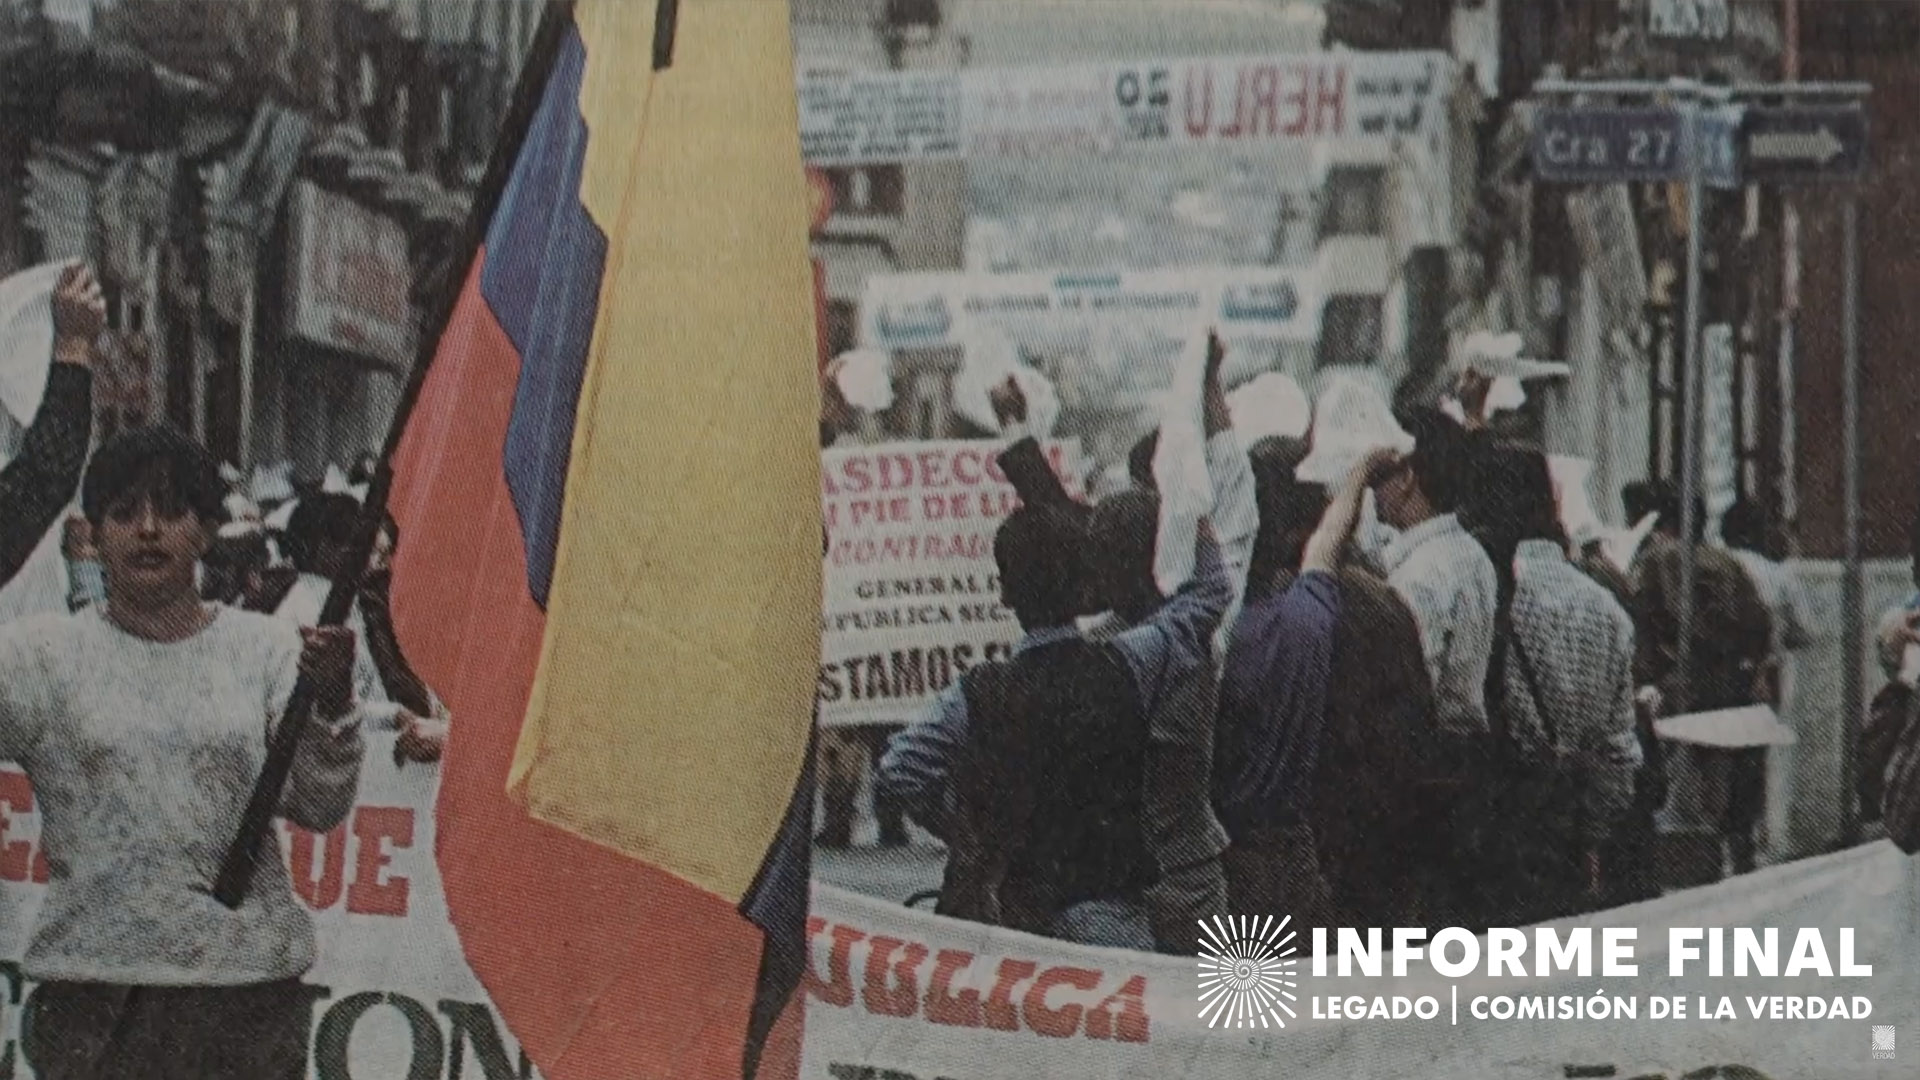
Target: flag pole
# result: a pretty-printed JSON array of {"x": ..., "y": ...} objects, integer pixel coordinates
[{"x": 236, "y": 870}]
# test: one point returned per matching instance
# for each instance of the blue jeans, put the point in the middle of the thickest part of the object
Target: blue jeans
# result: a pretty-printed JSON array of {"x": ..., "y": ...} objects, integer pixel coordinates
[{"x": 1114, "y": 924}]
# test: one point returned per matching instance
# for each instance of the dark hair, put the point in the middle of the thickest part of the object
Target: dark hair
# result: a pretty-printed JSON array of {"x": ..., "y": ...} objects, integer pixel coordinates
[
  {"x": 1638, "y": 499},
  {"x": 1289, "y": 510},
  {"x": 139, "y": 459},
  {"x": 229, "y": 561},
  {"x": 1442, "y": 456},
  {"x": 1120, "y": 541},
  {"x": 1040, "y": 553},
  {"x": 1511, "y": 501},
  {"x": 1282, "y": 453},
  {"x": 1511, "y": 498},
  {"x": 1140, "y": 460},
  {"x": 1744, "y": 526},
  {"x": 1666, "y": 503},
  {"x": 317, "y": 522}
]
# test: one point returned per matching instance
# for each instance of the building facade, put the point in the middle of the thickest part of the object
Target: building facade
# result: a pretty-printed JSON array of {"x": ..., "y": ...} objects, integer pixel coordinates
[{"x": 270, "y": 189}]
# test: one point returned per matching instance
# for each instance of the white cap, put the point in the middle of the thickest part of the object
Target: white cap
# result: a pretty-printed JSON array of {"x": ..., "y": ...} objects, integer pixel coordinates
[
  {"x": 865, "y": 378},
  {"x": 1350, "y": 420},
  {"x": 1272, "y": 404}
]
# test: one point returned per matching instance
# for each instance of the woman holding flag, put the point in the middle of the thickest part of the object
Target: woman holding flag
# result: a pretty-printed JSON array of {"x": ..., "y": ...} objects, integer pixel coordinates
[{"x": 141, "y": 727}]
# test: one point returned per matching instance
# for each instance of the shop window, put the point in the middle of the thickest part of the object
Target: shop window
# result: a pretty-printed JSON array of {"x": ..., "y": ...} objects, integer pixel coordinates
[
  {"x": 1356, "y": 200},
  {"x": 1350, "y": 332},
  {"x": 868, "y": 190}
]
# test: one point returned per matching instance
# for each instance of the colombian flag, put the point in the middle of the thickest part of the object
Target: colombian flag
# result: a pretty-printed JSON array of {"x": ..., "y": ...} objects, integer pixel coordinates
[{"x": 608, "y": 494}]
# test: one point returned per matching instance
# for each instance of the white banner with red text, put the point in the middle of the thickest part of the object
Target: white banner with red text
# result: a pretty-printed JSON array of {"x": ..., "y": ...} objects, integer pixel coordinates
[
  {"x": 900, "y": 994},
  {"x": 851, "y": 118}
]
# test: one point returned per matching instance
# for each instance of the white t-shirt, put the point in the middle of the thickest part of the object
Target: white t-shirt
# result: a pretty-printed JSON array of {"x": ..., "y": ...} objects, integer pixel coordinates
[{"x": 142, "y": 755}]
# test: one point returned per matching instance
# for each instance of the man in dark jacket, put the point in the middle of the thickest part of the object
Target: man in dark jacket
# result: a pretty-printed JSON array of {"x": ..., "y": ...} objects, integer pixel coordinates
[
  {"x": 1184, "y": 838},
  {"x": 38, "y": 484},
  {"x": 1036, "y": 770}
]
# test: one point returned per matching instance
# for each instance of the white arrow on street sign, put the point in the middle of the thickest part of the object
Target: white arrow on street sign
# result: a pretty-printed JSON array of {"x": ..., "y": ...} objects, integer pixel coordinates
[{"x": 1819, "y": 145}]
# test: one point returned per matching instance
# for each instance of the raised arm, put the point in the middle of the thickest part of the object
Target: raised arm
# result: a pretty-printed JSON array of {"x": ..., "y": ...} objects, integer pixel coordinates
[
  {"x": 1178, "y": 638},
  {"x": 1236, "y": 511},
  {"x": 38, "y": 484},
  {"x": 1330, "y": 539}
]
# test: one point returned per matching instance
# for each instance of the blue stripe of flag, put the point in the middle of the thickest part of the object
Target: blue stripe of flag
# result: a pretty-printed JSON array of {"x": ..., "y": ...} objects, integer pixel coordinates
[{"x": 545, "y": 257}]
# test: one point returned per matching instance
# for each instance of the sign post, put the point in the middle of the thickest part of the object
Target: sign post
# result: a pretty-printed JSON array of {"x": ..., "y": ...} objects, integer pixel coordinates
[{"x": 1776, "y": 134}]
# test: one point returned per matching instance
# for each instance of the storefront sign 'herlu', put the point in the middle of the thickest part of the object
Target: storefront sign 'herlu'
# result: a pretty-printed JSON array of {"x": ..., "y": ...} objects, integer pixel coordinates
[
  {"x": 1104, "y": 108},
  {"x": 348, "y": 278}
]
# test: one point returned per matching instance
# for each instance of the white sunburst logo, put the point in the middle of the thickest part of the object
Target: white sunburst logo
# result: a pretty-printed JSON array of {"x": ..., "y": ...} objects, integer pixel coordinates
[{"x": 1246, "y": 971}]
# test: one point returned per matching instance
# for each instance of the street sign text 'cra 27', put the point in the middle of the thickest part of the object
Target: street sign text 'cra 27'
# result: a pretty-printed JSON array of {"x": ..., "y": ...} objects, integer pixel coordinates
[{"x": 1608, "y": 145}]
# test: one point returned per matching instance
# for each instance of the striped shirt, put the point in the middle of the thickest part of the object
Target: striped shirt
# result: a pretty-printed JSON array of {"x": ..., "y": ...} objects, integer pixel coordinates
[{"x": 1580, "y": 642}]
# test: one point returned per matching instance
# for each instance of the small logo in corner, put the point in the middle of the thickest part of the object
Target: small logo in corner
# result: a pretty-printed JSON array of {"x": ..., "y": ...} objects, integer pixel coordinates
[
  {"x": 1883, "y": 1042},
  {"x": 1246, "y": 970}
]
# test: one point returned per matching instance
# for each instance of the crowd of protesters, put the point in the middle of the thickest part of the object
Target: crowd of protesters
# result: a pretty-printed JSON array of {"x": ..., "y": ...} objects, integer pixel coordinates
[
  {"x": 142, "y": 715},
  {"x": 1407, "y": 698}
]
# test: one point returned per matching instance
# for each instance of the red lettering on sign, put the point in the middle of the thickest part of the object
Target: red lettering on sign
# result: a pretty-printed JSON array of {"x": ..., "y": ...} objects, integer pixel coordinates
[
  {"x": 374, "y": 827},
  {"x": 1238, "y": 127},
  {"x": 942, "y": 1005},
  {"x": 1299, "y": 84},
  {"x": 324, "y": 891},
  {"x": 998, "y": 1010},
  {"x": 16, "y": 796},
  {"x": 1129, "y": 1002},
  {"x": 933, "y": 469},
  {"x": 902, "y": 998},
  {"x": 1051, "y": 1022},
  {"x": 1265, "y": 80},
  {"x": 892, "y": 988},
  {"x": 1330, "y": 99},
  {"x": 1201, "y": 96},
  {"x": 838, "y": 989}
]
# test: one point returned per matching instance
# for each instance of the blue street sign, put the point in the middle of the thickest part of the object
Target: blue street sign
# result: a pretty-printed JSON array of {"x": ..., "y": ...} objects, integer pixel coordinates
[
  {"x": 1604, "y": 145},
  {"x": 1786, "y": 144},
  {"x": 1715, "y": 150}
]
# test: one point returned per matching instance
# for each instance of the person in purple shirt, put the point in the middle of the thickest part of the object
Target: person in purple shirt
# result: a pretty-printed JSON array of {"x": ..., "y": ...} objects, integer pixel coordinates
[{"x": 1273, "y": 703}]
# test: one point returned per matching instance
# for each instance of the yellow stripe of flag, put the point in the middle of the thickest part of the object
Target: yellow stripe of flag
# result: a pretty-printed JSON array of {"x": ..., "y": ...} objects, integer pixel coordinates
[{"x": 671, "y": 712}]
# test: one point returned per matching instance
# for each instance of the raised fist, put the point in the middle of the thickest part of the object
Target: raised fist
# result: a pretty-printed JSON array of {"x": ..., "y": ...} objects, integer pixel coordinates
[{"x": 79, "y": 310}]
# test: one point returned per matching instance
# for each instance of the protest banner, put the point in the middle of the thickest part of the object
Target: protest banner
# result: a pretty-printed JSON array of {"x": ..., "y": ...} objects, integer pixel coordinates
[
  {"x": 912, "y": 595},
  {"x": 850, "y": 118},
  {"x": 895, "y": 992},
  {"x": 921, "y": 310},
  {"x": 898, "y": 992}
]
